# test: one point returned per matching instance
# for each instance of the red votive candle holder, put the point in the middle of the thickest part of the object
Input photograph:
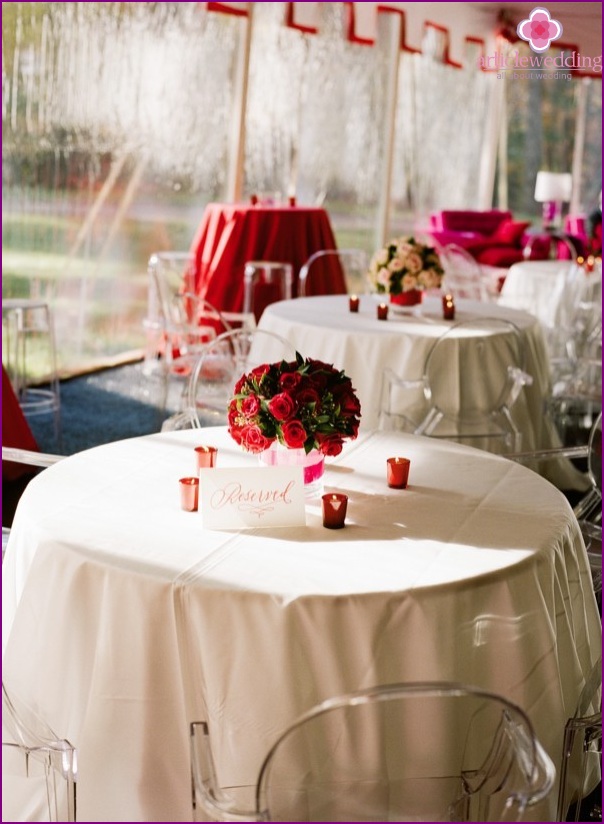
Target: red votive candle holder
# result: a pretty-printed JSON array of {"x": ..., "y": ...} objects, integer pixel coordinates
[
  {"x": 291, "y": 200},
  {"x": 206, "y": 456},
  {"x": 382, "y": 311},
  {"x": 189, "y": 494},
  {"x": 353, "y": 303},
  {"x": 448, "y": 307},
  {"x": 397, "y": 472},
  {"x": 334, "y": 510}
]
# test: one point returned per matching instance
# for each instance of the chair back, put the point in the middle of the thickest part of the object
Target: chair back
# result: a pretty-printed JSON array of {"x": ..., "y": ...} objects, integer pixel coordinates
[
  {"x": 170, "y": 273},
  {"x": 265, "y": 282},
  {"x": 488, "y": 346},
  {"x": 353, "y": 265},
  {"x": 581, "y": 747},
  {"x": 406, "y": 752},
  {"x": 37, "y": 762},
  {"x": 222, "y": 362},
  {"x": 192, "y": 323},
  {"x": 464, "y": 277}
]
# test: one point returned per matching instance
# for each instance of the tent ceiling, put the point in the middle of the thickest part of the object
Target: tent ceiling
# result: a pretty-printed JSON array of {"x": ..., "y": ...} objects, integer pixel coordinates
[{"x": 581, "y": 22}]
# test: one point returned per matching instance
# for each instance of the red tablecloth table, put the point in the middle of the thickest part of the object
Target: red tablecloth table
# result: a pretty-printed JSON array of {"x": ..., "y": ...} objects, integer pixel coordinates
[
  {"x": 232, "y": 234},
  {"x": 15, "y": 429}
]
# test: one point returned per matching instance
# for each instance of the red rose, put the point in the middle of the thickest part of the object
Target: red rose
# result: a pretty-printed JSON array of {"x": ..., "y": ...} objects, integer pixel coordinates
[
  {"x": 281, "y": 406},
  {"x": 330, "y": 444},
  {"x": 350, "y": 405},
  {"x": 252, "y": 439},
  {"x": 250, "y": 406},
  {"x": 259, "y": 371},
  {"x": 289, "y": 380},
  {"x": 294, "y": 434},
  {"x": 240, "y": 384},
  {"x": 308, "y": 396},
  {"x": 233, "y": 423}
]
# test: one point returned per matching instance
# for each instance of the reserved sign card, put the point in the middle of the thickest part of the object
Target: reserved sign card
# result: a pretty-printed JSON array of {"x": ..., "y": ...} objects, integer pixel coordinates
[{"x": 249, "y": 497}]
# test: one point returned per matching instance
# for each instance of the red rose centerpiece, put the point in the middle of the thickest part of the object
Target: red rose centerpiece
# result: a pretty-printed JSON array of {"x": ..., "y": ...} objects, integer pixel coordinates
[{"x": 294, "y": 412}]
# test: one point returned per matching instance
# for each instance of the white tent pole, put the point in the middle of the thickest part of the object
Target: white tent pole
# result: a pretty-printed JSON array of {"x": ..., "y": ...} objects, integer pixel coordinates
[
  {"x": 579, "y": 145},
  {"x": 496, "y": 124},
  {"x": 236, "y": 151},
  {"x": 382, "y": 227}
]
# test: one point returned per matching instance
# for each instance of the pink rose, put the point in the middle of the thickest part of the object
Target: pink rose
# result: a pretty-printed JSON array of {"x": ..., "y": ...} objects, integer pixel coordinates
[
  {"x": 294, "y": 434},
  {"x": 281, "y": 406},
  {"x": 252, "y": 439},
  {"x": 250, "y": 406}
]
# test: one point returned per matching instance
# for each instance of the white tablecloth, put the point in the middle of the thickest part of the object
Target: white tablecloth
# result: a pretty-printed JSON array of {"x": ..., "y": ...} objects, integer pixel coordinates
[
  {"x": 123, "y": 620},
  {"x": 322, "y": 327},
  {"x": 537, "y": 286}
]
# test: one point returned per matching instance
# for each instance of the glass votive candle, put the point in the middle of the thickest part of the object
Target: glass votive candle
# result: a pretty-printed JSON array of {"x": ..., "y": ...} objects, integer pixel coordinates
[
  {"x": 291, "y": 200},
  {"x": 397, "y": 472},
  {"x": 189, "y": 494},
  {"x": 353, "y": 303},
  {"x": 448, "y": 307},
  {"x": 334, "y": 509},
  {"x": 206, "y": 456},
  {"x": 253, "y": 199},
  {"x": 382, "y": 311}
]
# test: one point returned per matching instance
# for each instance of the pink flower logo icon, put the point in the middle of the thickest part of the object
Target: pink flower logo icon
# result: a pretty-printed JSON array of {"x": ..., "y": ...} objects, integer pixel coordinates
[{"x": 539, "y": 30}]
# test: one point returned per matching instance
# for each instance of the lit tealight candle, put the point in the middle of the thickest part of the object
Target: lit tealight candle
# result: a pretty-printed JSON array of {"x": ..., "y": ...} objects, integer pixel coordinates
[
  {"x": 353, "y": 303},
  {"x": 448, "y": 307},
  {"x": 397, "y": 472},
  {"x": 334, "y": 510},
  {"x": 206, "y": 456},
  {"x": 189, "y": 494},
  {"x": 382, "y": 311}
]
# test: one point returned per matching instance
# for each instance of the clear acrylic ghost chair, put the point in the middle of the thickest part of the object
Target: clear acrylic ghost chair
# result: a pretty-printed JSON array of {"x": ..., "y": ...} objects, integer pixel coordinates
[
  {"x": 400, "y": 752},
  {"x": 30, "y": 355},
  {"x": 36, "y": 765},
  {"x": 192, "y": 323},
  {"x": 220, "y": 365},
  {"x": 588, "y": 510},
  {"x": 464, "y": 277},
  {"x": 462, "y": 408},
  {"x": 265, "y": 282},
  {"x": 575, "y": 351},
  {"x": 354, "y": 264},
  {"x": 26, "y": 457},
  {"x": 169, "y": 274},
  {"x": 581, "y": 748}
]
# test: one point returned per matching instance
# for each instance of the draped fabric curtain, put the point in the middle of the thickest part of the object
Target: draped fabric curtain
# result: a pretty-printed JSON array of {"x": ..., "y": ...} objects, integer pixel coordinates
[{"x": 435, "y": 100}]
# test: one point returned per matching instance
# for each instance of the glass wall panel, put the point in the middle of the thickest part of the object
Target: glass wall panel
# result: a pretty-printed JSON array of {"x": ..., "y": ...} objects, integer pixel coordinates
[
  {"x": 542, "y": 112},
  {"x": 114, "y": 126},
  {"x": 315, "y": 118},
  {"x": 440, "y": 129}
]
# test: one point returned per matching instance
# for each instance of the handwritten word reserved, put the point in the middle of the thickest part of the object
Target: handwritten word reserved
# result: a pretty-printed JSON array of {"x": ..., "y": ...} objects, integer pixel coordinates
[{"x": 256, "y": 500}]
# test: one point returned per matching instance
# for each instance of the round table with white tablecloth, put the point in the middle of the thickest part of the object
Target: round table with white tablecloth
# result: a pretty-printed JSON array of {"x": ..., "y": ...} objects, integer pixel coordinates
[
  {"x": 324, "y": 328},
  {"x": 124, "y": 619}
]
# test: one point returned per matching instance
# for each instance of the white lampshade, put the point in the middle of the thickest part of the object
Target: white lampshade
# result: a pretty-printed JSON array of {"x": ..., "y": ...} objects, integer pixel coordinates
[{"x": 553, "y": 186}]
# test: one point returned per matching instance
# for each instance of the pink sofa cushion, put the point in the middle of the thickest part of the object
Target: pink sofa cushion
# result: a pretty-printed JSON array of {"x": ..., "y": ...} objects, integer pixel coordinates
[{"x": 510, "y": 231}]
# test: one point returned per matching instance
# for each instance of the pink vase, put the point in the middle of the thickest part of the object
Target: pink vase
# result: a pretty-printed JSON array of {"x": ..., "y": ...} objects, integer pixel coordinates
[
  {"x": 410, "y": 298},
  {"x": 313, "y": 464}
]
